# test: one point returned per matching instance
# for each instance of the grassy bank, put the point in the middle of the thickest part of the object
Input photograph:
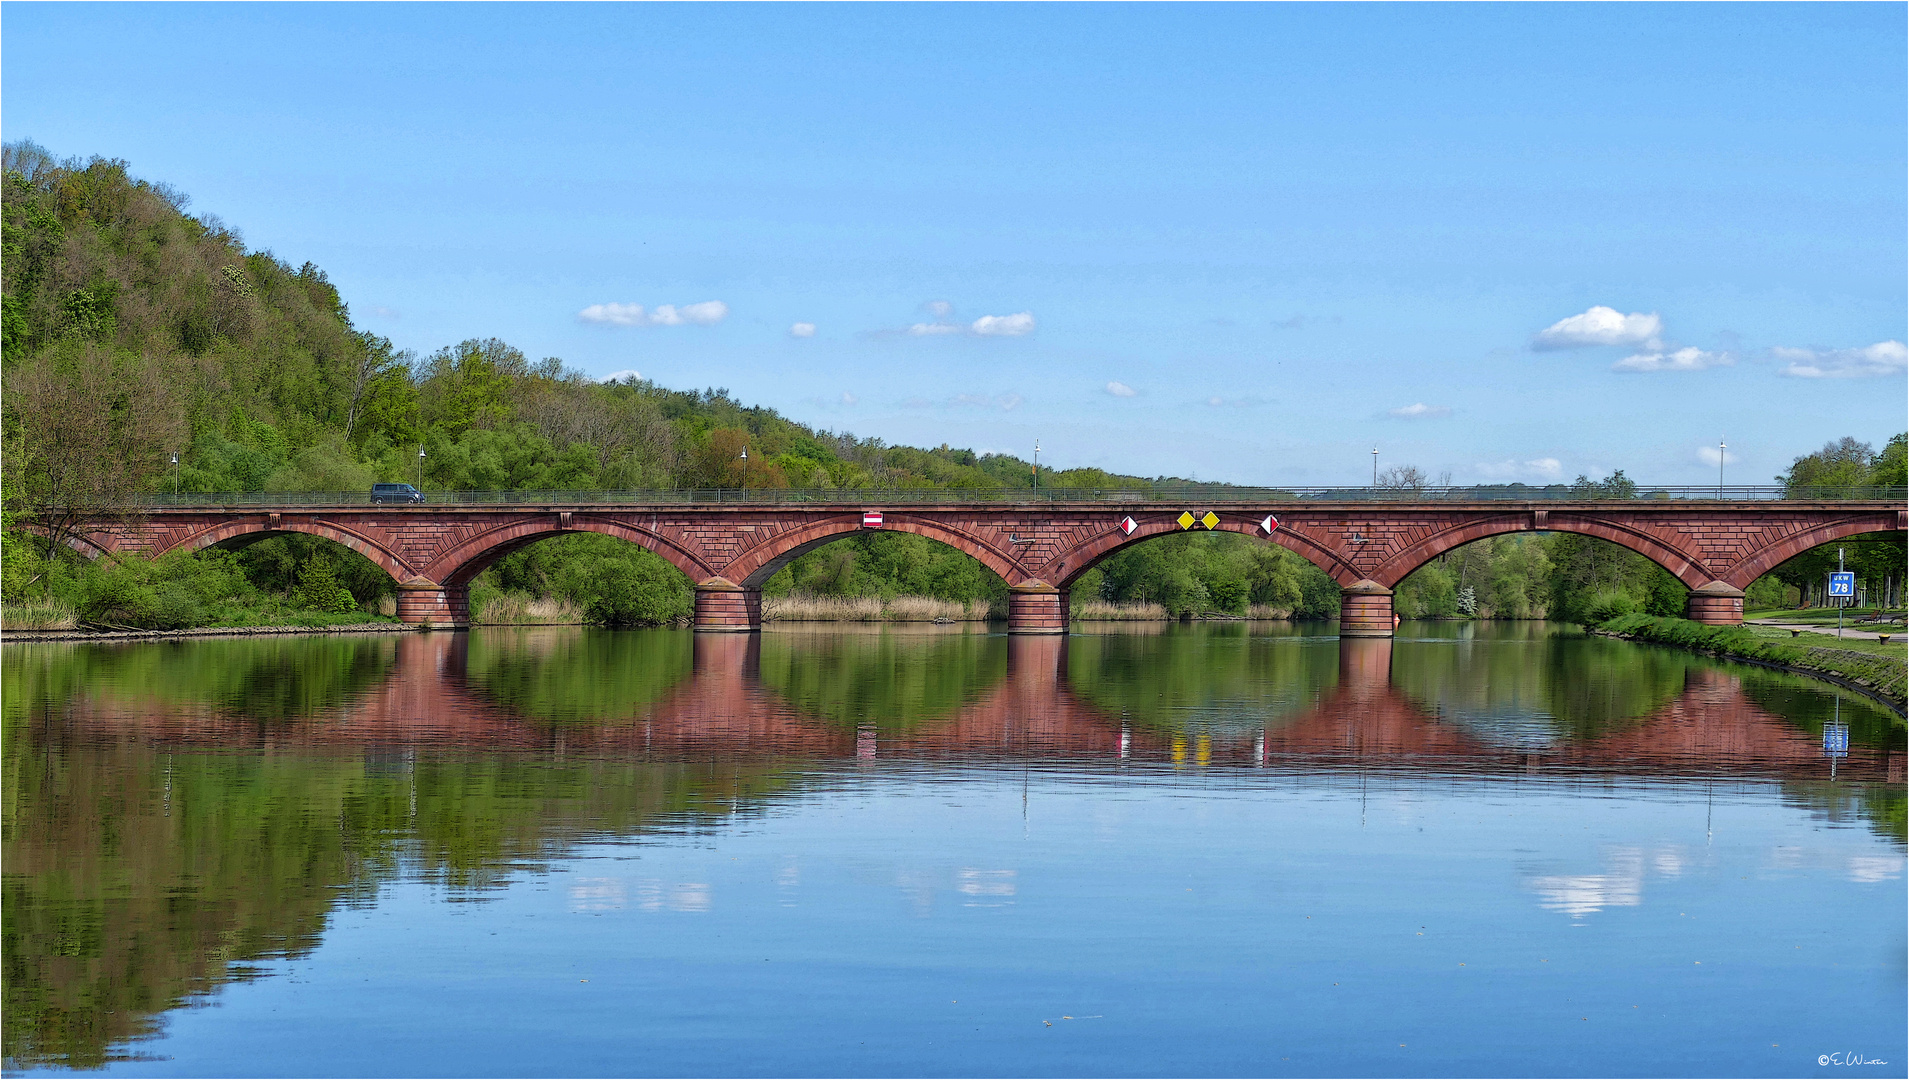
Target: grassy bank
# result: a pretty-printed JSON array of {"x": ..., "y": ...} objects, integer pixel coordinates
[{"x": 1871, "y": 665}]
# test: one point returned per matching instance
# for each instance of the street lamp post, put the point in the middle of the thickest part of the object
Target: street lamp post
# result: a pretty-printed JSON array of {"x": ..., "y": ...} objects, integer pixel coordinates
[
  {"x": 1720, "y": 449},
  {"x": 1375, "y": 466},
  {"x": 420, "y": 469},
  {"x": 1037, "y": 468},
  {"x": 175, "y": 476}
]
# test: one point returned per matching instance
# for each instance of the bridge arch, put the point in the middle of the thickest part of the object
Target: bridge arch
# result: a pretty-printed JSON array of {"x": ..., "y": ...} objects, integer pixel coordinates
[
  {"x": 1673, "y": 559},
  {"x": 455, "y": 568},
  {"x": 80, "y": 543},
  {"x": 761, "y": 562},
  {"x": 1771, "y": 556},
  {"x": 237, "y": 534},
  {"x": 1070, "y": 565}
]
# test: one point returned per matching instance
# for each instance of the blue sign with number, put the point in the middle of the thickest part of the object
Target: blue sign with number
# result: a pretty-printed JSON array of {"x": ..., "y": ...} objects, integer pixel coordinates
[{"x": 1842, "y": 583}]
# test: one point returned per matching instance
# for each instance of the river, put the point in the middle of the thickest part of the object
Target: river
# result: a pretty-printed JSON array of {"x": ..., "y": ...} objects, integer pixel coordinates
[{"x": 1219, "y": 849}]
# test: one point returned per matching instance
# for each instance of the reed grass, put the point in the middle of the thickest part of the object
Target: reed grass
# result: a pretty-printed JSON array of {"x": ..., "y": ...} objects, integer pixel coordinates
[
  {"x": 797, "y": 607},
  {"x": 45, "y": 616},
  {"x": 522, "y": 609},
  {"x": 1108, "y": 611}
]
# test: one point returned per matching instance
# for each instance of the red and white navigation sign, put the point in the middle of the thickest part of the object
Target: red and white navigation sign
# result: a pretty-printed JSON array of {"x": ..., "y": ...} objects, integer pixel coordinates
[
  {"x": 1128, "y": 525},
  {"x": 1269, "y": 524},
  {"x": 871, "y": 519}
]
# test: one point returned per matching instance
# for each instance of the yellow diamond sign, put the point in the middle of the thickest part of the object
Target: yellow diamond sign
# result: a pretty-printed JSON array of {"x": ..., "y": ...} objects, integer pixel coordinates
[
  {"x": 1186, "y": 519},
  {"x": 1211, "y": 519}
]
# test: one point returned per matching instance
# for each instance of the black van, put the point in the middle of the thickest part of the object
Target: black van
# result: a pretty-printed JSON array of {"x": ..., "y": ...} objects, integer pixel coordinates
[{"x": 390, "y": 493}]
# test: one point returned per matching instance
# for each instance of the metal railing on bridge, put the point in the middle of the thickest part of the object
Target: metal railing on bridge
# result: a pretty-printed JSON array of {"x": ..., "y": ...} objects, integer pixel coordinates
[{"x": 1174, "y": 495}]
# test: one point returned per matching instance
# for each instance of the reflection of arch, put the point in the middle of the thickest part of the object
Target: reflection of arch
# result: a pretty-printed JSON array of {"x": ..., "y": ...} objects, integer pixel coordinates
[
  {"x": 1769, "y": 557},
  {"x": 456, "y": 567},
  {"x": 1085, "y": 557},
  {"x": 240, "y": 534},
  {"x": 759, "y": 563},
  {"x": 1400, "y": 566}
]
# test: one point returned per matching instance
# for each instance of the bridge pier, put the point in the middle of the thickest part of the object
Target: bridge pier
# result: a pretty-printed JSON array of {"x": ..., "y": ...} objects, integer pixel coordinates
[
  {"x": 1715, "y": 604},
  {"x": 724, "y": 607},
  {"x": 1035, "y": 607},
  {"x": 1365, "y": 610},
  {"x": 424, "y": 602}
]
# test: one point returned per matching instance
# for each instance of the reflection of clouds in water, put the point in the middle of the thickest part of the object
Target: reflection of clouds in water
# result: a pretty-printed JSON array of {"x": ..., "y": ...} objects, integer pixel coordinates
[
  {"x": 1622, "y": 882},
  {"x": 597, "y": 894},
  {"x": 1868, "y": 869},
  {"x": 1578, "y": 895},
  {"x": 1862, "y": 869},
  {"x": 985, "y": 888}
]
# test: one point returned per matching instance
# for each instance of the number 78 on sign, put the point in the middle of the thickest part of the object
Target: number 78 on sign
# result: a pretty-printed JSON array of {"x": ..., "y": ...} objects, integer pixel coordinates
[{"x": 1842, "y": 583}]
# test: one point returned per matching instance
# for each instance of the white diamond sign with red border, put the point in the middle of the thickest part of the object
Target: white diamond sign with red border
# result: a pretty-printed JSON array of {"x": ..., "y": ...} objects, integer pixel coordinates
[{"x": 1128, "y": 525}]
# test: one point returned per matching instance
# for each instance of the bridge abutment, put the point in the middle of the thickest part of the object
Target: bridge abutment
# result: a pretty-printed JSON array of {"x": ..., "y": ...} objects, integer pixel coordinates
[
  {"x": 724, "y": 607},
  {"x": 426, "y": 603},
  {"x": 1365, "y": 610},
  {"x": 1037, "y": 608},
  {"x": 1715, "y": 604}
]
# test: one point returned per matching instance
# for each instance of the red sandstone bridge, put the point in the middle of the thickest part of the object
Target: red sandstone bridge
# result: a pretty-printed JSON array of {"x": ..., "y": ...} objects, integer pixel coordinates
[{"x": 730, "y": 543}]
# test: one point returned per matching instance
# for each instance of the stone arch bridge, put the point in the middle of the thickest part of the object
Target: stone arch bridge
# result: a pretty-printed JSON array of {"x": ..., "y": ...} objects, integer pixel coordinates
[{"x": 1716, "y": 547}]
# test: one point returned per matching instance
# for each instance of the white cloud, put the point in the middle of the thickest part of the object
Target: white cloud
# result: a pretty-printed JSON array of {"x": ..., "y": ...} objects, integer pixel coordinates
[
  {"x": 848, "y": 398},
  {"x": 1419, "y": 411},
  {"x": 1120, "y": 389},
  {"x": 1216, "y": 401},
  {"x": 1004, "y": 402},
  {"x": 1882, "y": 358},
  {"x": 706, "y": 313},
  {"x": 802, "y": 329},
  {"x": 1600, "y": 326},
  {"x": 385, "y": 312},
  {"x": 618, "y": 376},
  {"x": 933, "y": 329},
  {"x": 1686, "y": 359},
  {"x": 1710, "y": 456},
  {"x": 940, "y": 309},
  {"x": 1549, "y": 468},
  {"x": 1021, "y": 322}
]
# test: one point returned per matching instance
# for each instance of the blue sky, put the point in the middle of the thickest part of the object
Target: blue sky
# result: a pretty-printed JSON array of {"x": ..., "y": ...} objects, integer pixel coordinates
[{"x": 1246, "y": 243}]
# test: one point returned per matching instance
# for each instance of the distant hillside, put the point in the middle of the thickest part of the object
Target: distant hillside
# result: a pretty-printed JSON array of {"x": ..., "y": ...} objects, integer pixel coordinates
[{"x": 133, "y": 330}]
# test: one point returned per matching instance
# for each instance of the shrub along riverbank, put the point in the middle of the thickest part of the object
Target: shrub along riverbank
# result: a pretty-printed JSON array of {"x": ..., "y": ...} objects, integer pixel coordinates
[{"x": 1875, "y": 667}]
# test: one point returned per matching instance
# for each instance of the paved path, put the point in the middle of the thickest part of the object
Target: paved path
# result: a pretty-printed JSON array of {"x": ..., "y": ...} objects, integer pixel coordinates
[{"x": 1848, "y": 632}]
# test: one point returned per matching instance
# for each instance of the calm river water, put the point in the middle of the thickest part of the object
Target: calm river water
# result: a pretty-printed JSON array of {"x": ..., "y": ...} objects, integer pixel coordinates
[{"x": 1216, "y": 849}]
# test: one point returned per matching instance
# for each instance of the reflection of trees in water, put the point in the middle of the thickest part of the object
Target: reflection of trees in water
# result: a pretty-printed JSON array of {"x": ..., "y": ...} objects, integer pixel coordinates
[
  {"x": 1234, "y": 677},
  {"x": 566, "y": 674},
  {"x": 894, "y": 681},
  {"x": 267, "y": 680},
  {"x": 1514, "y": 684},
  {"x": 136, "y": 878}
]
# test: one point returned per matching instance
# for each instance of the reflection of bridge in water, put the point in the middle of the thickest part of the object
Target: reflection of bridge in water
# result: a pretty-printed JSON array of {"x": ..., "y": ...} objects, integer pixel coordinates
[{"x": 723, "y": 708}]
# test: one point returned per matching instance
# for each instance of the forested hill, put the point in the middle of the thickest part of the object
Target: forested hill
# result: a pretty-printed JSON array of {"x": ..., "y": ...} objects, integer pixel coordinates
[{"x": 133, "y": 330}]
